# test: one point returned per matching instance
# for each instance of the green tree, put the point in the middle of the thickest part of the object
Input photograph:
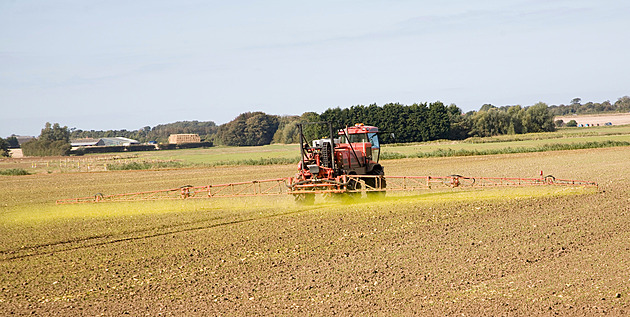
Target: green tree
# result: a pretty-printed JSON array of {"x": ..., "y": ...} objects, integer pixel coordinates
[
  {"x": 516, "y": 115},
  {"x": 13, "y": 142},
  {"x": 233, "y": 132},
  {"x": 576, "y": 101},
  {"x": 623, "y": 104},
  {"x": 438, "y": 121},
  {"x": 572, "y": 123},
  {"x": 54, "y": 133},
  {"x": 486, "y": 107},
  {"x": 401, "y": 123},
  {"x": 250, "y": 128},
  {"x": 416, "y": 127},
  {"x": 491, "y": 122},
  {"x": 397, "y": 124},
  {"x": 260, "y": 128},
  {"x": 287, "y": 132},
  {"x": 460, "y": 124},
  {"x": 538, "y": 118},
  {"x": 53, "y": 140},
  {"x": 312, "y": 131},
  {"x": 4, "y": 147}
]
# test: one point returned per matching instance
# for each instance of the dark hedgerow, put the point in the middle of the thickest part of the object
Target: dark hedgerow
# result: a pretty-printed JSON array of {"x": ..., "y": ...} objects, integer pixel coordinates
[
  {"x": 14, "y": 172},
  {"x": 144, "y": 165}
]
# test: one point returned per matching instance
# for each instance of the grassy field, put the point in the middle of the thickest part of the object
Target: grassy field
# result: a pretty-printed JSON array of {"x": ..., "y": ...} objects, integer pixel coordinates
[
  {"x": 471, "y": 149},
  {"x": 279, "y": 154},
  {"x": 290, "y": 152},
  {"x": 225, "y": 155},
  {"x": 502, "y": 251},
  {"x": 507, "y": 143}
]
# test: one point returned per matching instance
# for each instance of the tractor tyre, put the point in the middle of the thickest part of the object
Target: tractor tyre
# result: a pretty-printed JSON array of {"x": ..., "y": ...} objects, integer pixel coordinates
[
  {"x": 369, "y": 182},
  {"x": 353, "y": 184},
  {"x": 375, "y": 182},
  {"x": 378, "y": 194}
]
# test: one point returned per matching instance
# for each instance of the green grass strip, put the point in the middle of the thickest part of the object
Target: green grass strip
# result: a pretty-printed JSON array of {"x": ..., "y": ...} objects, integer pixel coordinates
[
  {"x": 144, "y": 165},
  {"x": 148, "y": 165},
  {"x": 448, "y": 152},
  {"x": 508, "y": 150},
  {"x": 259, "y": 161},
  {"x": 14, "y": 172}
]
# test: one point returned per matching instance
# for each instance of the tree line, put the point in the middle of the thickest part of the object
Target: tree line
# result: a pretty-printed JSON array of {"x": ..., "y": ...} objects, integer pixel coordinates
[
  {"x": 576, "y": 107},
  {"x": 159, "y": 133},
  {"x": 398, "y": 123}
]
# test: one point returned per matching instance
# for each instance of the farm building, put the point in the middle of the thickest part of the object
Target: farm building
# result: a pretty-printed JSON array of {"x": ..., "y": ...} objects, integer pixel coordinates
[
  {"x": 102, "y": 142},
  {"x": 23, "y": 138},
  {"x": 183, "y": 138},
  {"x": 86, "y": 142},
  {"x": 119, "y": 141}
]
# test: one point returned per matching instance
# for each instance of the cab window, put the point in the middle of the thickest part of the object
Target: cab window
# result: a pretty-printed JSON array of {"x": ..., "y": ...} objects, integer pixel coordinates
[
  {"x": 357, "y": 138},
  {"x": 374, "y": 140}
]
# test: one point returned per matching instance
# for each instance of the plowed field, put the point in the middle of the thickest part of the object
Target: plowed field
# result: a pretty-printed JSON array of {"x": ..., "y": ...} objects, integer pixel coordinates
[
  {"x": 514, "y": 251},
  {"x": 598, "y": 119}
]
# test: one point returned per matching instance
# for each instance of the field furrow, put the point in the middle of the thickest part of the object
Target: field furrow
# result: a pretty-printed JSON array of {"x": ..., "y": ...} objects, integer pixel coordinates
[{"x": 499, "y": 251}]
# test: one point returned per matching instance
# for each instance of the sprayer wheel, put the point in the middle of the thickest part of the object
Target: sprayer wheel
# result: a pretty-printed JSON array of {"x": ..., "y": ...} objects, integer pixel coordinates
[{"x": 374, "y": 182}]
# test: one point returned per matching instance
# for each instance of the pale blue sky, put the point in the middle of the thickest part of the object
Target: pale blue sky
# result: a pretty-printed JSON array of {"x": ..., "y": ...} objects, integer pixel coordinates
[{"x": 128, "y": 64}]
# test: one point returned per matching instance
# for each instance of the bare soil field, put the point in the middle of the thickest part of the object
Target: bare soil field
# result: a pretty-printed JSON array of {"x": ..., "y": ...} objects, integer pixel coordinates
[
  {"x": 515, "y": 251},
  {"x": 598, "y": 119}
]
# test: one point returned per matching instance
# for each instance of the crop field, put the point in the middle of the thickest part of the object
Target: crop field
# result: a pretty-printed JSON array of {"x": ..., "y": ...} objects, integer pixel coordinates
[
  {"x": 280, "y": 154},
  {"x": 503, "y": 251},
  {"x": 600, "y": 119},
  {"x": 503, "y": 146}
]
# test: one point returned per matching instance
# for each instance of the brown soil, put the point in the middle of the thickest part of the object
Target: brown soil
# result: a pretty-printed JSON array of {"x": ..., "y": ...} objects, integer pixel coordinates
[
  {"x": 598, "y": 119},
  {"x": 565, "y": 255}
]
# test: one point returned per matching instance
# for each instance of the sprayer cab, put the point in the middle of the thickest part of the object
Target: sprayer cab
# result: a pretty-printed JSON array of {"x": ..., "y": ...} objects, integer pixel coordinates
[
  {"x": 355, "y": 151},
  {"x": 327, "y": 163},
  {"x": 363, "y": 137},
  {"x": 358, "y": 151}
]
